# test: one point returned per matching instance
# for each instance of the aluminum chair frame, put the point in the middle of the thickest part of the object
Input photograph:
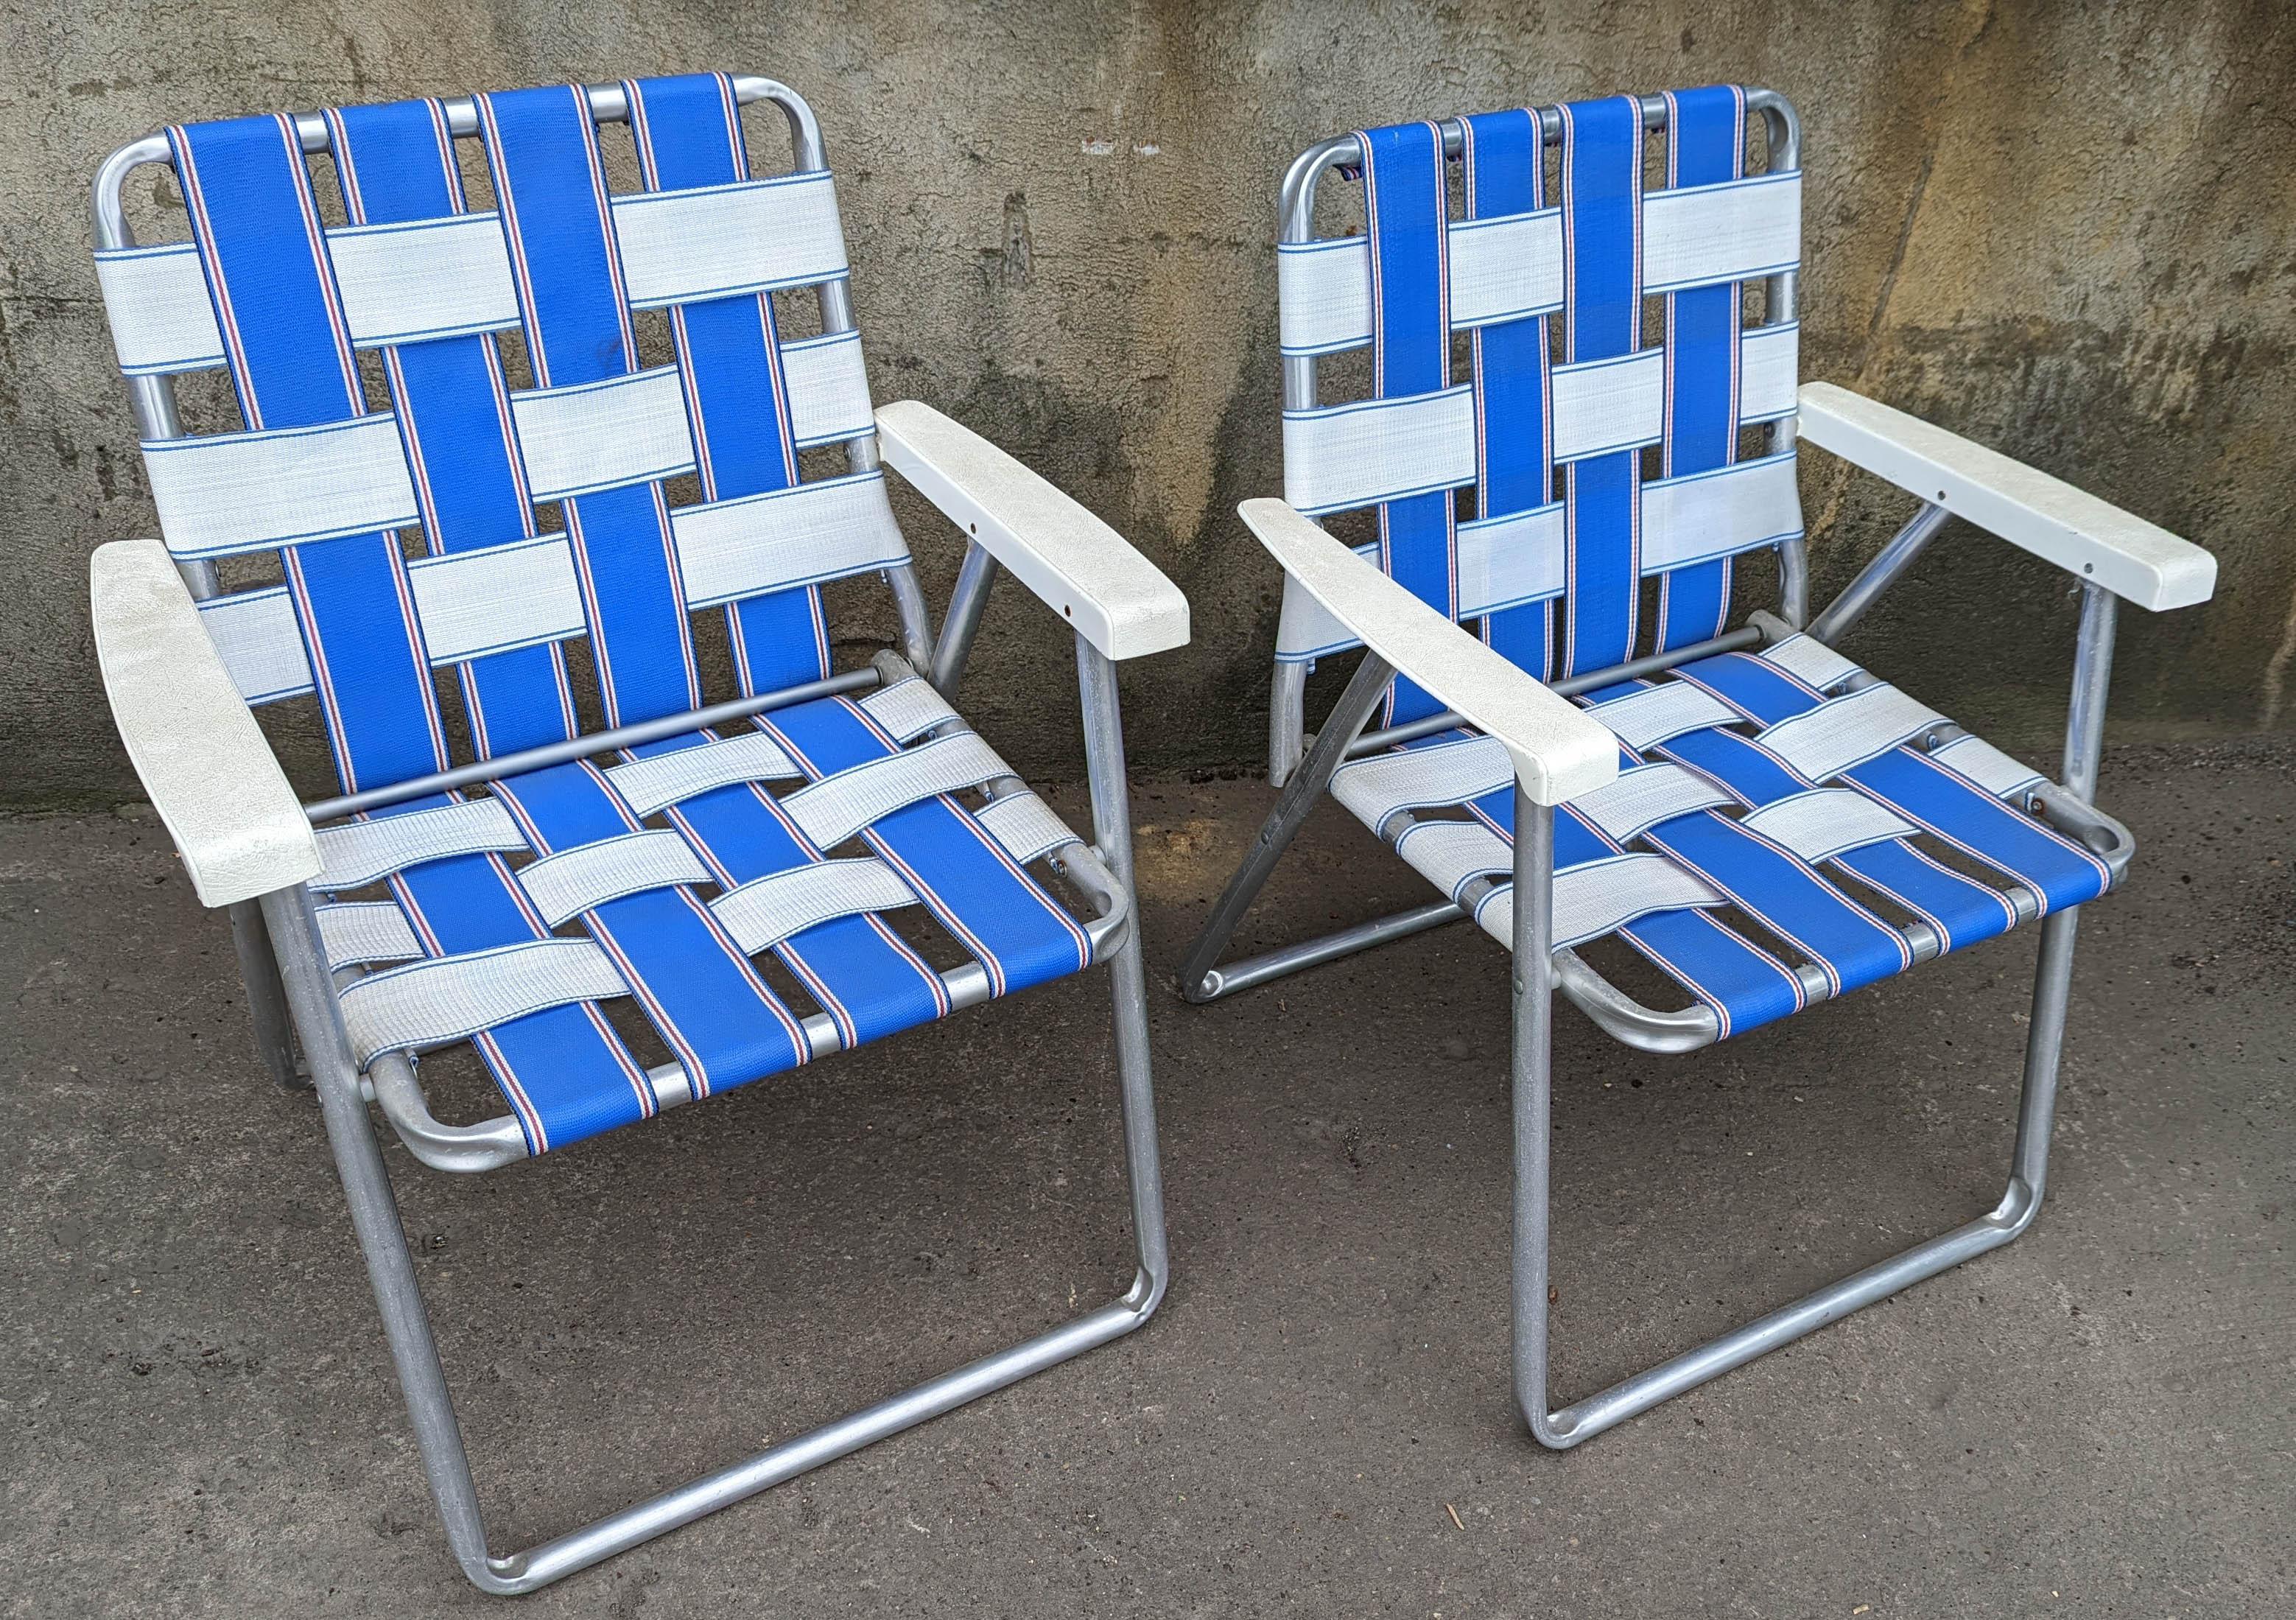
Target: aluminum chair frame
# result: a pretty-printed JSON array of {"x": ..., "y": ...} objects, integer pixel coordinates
[
  {"x": 301, "y": 1033},
  {"x": 1302, "y": 766}
]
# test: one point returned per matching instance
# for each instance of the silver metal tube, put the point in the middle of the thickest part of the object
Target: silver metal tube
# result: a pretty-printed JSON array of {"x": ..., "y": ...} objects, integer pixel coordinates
[
  {"x": 585, "y": 747},
  {"x": 974, "y": 577},
  {"x": 1530, "y": 1065},
  {"x": 2092, "y": 683},
  {"x": 374, "y": 1216},
  {"x": 1241, "y": 975},
  {"x": 266, "y": 995},
  {"x": 1112, "y": 822},
  {"x": 1287, "y": 720},
  {"x": 1374, "y": 742},
  {"x": 1893, "y": 559},
  {"x": 1292, "y": 805}
]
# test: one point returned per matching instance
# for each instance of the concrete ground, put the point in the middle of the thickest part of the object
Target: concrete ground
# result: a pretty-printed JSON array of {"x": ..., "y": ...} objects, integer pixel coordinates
[{"x": 200, "y": 1417}]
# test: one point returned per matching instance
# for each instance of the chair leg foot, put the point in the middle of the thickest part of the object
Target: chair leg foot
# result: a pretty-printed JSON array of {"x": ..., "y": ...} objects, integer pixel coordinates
[{"x": 1560, "y": 1429}]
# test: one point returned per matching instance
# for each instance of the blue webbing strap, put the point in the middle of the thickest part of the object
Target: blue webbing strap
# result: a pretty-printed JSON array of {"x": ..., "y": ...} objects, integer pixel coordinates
[
  {"x": 1925, "y": 793},
  {"x": 1501, "y": 154},
  {"x": 551, "y": 189},
  {"x": 397, "y": 162},
  {"x": 1602, "y": 317},
  {"x": 688, "y": 974},
  {"x": 1962, "y": 910},
  {"x": 1706, "y": 143},
  {"x": 564, "y": 1072},
  {"x": 1406, "y": 214},
  {"x": 1021, "y": 935},
  {"x": 256, "y": 227},
  {"x": 1769, "y": 883},
  {"x": 688, "y": 131},
  {"x": 865, "y": 976},
  {"x": 1742, "y": 983}
]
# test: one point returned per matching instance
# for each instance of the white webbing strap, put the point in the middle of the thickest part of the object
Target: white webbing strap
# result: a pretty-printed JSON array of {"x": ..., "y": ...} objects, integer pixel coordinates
[
  {"x": 360, "y": 853},
  {"x": 1025, "y": 825},
  {"x": 570, "y": 882},
  {"x": 1600, "y": 896},
  {"x": 802, "y": 535},
  {"x": 1827, "y": 821},
  {"x": 660, "y": 780},
  {"x": 1452, "y": 854},
  {"x": 452, "y": 997},
  {"x": 764, "y": 912},
  {"x": 1441, "y": 773},
  {"x": 1697, "y": 517},
  {"x": 1842, "y": 733},
  {"x": 1614, "y": 404},
  {"x": 366, "y": 931},
  {"x": 493, "y": 598},
  {"x": 1998, "y": 773},
  {"x": 589, "y": 436},
  {"x": 1339, "y": 456},
  {"x": 1344, "y": 455},
  {"x": 1644, "y": 795},
  {"x": 1769, "y": 372},
  {"x": 908, "y": 708},
  {"x": 828, "y": 390},
  {"x": 1645, "y": 719},
  {"x": 1810, "y": 661},
  {"x": 227, "y": 492},
  {"x": 1510, "y": 266},
  {"x": 838, "y": 806},
  {"x": 260, "y": 642},
  {"x": 156, "y": 299},
  {"x": 1506, "y": 561},
  {"x": 525, "y": 593},
  {"x": 1730, "y": 230},
  {"x": 415, "y": 280},
  {"x": 720, "y": 241}
]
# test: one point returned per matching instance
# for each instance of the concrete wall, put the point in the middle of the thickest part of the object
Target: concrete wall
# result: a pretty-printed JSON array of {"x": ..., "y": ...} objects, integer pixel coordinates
[{"x": 2066, "y": 229}]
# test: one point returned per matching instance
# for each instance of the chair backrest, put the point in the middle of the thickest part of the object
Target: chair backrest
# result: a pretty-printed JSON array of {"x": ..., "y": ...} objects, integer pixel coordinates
[
  {"x": 447, "y": 437},
  {"x": 1536, "y": 331}
]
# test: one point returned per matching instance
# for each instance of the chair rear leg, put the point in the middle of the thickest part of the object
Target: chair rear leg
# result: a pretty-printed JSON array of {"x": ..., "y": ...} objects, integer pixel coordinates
[
  {"x": 267, "y": 996},
  {"x": 2005, "y": 1221}
]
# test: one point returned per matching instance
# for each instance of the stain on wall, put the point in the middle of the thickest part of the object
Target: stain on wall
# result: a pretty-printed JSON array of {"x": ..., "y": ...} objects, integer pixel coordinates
[{"x": 2069, "y": 230}]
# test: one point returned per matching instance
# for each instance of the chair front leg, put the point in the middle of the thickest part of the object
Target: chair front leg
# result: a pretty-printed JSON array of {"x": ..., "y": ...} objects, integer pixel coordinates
[{"x": 1112, "y": 822}]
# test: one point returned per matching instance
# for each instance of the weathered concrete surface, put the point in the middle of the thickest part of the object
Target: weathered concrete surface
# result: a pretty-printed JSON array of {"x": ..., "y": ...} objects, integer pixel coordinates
[
  {"x": 199, "y": 1419},
  {"x": 2066, "y": 229}
]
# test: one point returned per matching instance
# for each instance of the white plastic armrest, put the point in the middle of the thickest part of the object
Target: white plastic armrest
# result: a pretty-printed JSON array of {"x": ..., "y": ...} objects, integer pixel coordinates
[
  {"x": 1559, "y": 752},
  {"x": 191, "y": 736},
  {"x": 2047, "y": 516},
  {"x": 1085, "y": 572}
]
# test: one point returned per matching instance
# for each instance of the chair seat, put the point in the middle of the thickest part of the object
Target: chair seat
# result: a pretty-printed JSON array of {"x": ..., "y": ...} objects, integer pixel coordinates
[
  {"x": 1774, "y": 811},
  {"x": 660, "y": 878}
]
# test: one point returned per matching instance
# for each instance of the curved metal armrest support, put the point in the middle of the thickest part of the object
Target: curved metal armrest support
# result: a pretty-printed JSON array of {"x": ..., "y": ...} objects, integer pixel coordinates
[
  {"x": 1559, "y": 752},
  {"x": 2088, "y": 538},
  {"x": 1085, "y": 572},
  {"x": 193, "y": 741}
]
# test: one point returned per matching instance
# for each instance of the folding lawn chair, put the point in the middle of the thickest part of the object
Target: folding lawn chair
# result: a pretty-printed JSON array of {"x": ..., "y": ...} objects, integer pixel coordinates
[
  {"x": 1763, "y": 822},
  {"x": 418, "y": 388}
]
